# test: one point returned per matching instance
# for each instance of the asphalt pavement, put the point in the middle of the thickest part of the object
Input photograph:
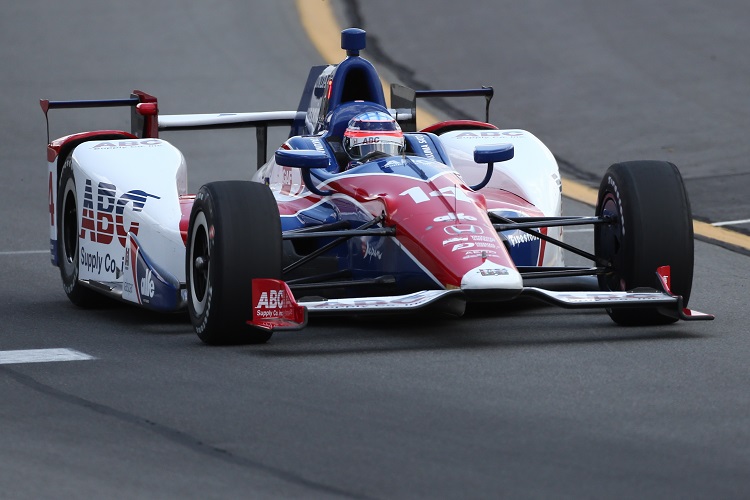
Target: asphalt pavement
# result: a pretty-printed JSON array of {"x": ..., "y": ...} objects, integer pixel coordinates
[{"x": 529, "y": 402}]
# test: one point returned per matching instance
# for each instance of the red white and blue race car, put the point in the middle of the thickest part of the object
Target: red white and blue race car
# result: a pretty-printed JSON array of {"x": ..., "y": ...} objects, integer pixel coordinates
[{"x": 356, "y": 213}]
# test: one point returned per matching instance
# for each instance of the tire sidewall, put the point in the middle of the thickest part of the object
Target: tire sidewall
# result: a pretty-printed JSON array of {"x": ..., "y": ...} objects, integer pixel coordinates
[
  {"x": 69, "y": 227},
  {"x": 652, "y": 227},
  {"x": 68, "y": 264},
  {"x": 201, "y": 224}
]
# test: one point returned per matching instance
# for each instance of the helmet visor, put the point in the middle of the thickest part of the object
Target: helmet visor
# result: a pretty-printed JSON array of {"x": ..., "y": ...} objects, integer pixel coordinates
[{"x": 363, "y": 145}]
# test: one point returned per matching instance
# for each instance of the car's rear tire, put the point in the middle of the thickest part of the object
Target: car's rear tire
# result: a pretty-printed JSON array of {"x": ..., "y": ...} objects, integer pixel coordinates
[
  {"x": 652, "y": 226},
  {"x": 68, "y": 258},
  {"x": 234, "y": 236}
]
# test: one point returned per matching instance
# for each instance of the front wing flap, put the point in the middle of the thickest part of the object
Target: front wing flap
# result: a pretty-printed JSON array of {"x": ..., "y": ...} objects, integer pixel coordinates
[
  {"x": 450, "y": 302},
  {"x": 667, "y": 303},
  {"x": 671, "y": 305}
]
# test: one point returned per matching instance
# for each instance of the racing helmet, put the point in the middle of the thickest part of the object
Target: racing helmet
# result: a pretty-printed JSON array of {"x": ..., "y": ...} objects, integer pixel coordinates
[{"x": 371, "y": 133}]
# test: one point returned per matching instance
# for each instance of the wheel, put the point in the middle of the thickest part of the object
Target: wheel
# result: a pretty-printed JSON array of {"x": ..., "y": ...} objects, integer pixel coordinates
[
  {"x": 67, "y": 241},
  {"x": 652, "y": 226},
  {"x": 234, "y": 236}
]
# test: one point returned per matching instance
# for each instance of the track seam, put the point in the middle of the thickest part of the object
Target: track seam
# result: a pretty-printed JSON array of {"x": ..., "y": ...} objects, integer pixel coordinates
[{"x": 175, "y": 436}]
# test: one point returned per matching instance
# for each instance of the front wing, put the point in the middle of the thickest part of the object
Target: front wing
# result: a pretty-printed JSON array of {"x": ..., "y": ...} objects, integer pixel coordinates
[{"x": 288, "y": 314}]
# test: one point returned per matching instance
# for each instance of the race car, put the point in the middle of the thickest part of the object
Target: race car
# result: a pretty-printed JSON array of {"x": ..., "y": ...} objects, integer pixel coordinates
[{"x": 357, "y": 212}]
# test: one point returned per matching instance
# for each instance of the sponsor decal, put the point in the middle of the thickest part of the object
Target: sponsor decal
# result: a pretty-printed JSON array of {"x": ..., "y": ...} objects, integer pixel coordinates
[
  {"x": 274, "y": 306},
  {"x": 454, "y": 240},
  {"x": 612, "y": 183},
  {"x": 424, "y": 146},
  {"x": 474, "y": 254},
  {"x": 319, "y": 100},
  {"x": 289, "y": 186},
  {"x": 487, "y": 239},
  {"x": 520, "y": 239},
  {"x": 407, "y": 301},
  {"x": 51, "y": 200},
  {"x": 317, "y": 144},
  {"x": 95, "y": 263},
  {"x": 463, "y": 229},
  {"x": 479, "y": 244},
  {"x": 462, "y": 246},
  {"x": 286, "y": 176},
  {"x": 489, "y": 133},
  {"x": 493, "y": 272},
  {"x": 273, "y": 303},
  {"x": 593, "y": 297},
  {"x": 101, "y": 221},
  {"x": 557, "y": 180},
  {"x": 128, "y": 144},
  {"x": 454, "y": 217},
  {"x": 147, "y": 285},
  {"x": 370, "y": 251},
  {"x": 128, "y": 271},
  {"x": 359, "y": 141}
]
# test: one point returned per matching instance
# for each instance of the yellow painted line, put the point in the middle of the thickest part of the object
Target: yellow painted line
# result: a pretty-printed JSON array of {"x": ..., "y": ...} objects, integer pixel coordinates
[
  {"x": 721, "y": 234},
  {"x": 319, "y": 21},
  {"x": 579, "y": 192},
  {"x": 322, "y": 29}
]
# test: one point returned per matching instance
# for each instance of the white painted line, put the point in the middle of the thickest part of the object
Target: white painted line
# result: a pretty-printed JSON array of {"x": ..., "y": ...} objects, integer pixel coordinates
[
  {"x": 730, "y": 222},
  {"x": 41, "y": 356},
  {"x": 584, "y": 230},
  {"x": 23, "y": 252}
]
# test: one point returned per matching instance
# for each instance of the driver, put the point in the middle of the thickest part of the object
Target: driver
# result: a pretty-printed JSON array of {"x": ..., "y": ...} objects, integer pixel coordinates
[{"x": 372, "y": 134}]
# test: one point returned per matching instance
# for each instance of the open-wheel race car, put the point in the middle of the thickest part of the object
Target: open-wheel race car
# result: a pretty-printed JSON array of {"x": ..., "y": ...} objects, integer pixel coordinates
[{"x": 356, "y": 213}]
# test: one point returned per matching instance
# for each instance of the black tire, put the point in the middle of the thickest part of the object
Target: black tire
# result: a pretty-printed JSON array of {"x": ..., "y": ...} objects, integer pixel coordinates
[
  {"x": 652, "y": 227},
  {"x": 234, "y": 236},
  {"x": 67, "y": 242}
]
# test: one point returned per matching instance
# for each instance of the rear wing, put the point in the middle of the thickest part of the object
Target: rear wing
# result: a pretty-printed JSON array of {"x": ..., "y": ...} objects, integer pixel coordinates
[
  {"x": 143, "y": 115},
  {"x": 146, "y": 122},
  {"x": 405, "y": 98}
]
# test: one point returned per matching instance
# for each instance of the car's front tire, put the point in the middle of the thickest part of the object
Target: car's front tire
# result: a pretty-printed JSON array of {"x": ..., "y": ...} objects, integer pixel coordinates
[
  {"x": 651, "y": 227},
  {"x": 234, "y": 236}
]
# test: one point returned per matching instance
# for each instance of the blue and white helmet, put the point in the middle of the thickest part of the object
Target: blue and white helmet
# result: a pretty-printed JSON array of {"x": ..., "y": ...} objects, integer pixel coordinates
[{"x": 373, "y": 132}]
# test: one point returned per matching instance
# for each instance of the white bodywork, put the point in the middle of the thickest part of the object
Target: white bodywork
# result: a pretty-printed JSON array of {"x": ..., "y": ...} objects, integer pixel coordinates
[
  {"x": 532, "y": 174},
  {"x": 128, "y": 185}
]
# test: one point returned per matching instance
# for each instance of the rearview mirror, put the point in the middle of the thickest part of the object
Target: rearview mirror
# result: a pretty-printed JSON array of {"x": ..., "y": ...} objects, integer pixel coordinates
[
  {"x": 490, "y": 154},
  {"x": 301, "y": 158},
  {"x": 493, "y": 153},
  {"x": 304, "y": 159}
]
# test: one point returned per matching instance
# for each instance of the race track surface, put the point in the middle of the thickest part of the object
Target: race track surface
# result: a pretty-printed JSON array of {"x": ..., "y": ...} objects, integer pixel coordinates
[{"x": 529, "y": 402}]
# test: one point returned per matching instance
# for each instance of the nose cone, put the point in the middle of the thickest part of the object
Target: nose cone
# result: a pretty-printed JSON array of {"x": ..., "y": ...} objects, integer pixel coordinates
[{"x": 492, "y": 281}]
